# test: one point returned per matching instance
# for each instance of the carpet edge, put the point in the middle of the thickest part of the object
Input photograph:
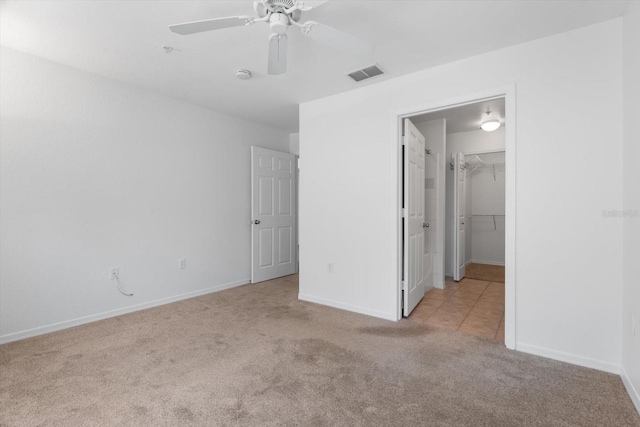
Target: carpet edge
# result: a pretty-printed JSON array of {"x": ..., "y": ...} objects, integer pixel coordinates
[
  {"x": 42, "y": 330},
  {"x": 633, "y": 393},
  {"x": 573, "y": 359},
  {"x": 347, "y": 307}
]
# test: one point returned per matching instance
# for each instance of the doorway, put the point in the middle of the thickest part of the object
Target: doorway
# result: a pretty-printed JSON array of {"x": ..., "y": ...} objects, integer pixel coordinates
[
  {"x": 437, "y": 122},
  {"x": 483, "y": 251},
  {"x": 475, "y": 240}
]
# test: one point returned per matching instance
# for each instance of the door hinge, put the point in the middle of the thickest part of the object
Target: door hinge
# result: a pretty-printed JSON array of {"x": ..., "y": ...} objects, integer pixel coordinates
[
  {"x": 404, "y": 212},
  {"x": 404, "y": 286}
]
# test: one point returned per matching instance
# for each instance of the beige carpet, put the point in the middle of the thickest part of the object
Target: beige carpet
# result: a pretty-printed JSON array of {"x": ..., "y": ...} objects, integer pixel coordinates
[
  {"x": 256, "y": 356},
  {"x": 489, "y": 273}
]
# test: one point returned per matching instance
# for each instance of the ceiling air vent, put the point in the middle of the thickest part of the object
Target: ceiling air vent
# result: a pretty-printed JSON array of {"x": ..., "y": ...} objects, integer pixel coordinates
[{"x": 365, "y": 73}]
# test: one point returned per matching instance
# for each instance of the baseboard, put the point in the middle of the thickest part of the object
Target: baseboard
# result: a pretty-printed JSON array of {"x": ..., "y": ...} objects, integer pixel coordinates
[
  {"x": 633, "y": 393},
  {"x": 476, "y": 261},
  {"x": 468, "y": 262},
  {"x": 16, "y": 336},
  {"x": 344, "y": 306},
  {"x": 574, "y": 359}
]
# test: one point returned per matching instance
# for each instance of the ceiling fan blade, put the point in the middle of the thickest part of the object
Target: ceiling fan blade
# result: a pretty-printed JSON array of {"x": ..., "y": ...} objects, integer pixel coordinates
[
  {"x": 210, "y": 24},
  {"x": 338, "y": 39},
  {"x": 277, "y": 54}
]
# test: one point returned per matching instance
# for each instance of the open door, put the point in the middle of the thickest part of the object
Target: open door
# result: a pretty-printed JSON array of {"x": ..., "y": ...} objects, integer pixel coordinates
[
  {"x": 273, "y": 202},
  {"x": 413, "y": 219},
  {"x": 459, "y": 234}
]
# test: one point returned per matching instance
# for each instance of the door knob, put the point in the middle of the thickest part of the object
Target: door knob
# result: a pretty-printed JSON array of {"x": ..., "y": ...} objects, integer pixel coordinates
[
  {"x": 256, "y": 222},
  {"x": 425, "y": 225}
]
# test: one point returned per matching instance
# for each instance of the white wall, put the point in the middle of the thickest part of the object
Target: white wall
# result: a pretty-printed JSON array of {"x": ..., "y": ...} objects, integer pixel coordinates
[
  {"x": 434, "y": 132},
  {"x": 476, "y": 141},
  {"x": 559, "y": 225},
  {"x": 631, "y": 185},
  {"x": 96, "y": 174},
  {"x": 294, "y": 143},
  {"x": 487, "y": 190}
]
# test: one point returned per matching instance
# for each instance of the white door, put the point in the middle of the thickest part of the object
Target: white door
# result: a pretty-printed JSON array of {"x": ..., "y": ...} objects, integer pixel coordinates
[
  {"x": 413, "y": 217},
  {"x": 459, "y": 234},
  {"x": 273, "y": 234}
]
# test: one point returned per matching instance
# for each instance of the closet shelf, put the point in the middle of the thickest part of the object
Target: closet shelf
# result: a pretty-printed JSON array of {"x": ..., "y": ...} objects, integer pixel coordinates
[{"x": 494, "y": 219}]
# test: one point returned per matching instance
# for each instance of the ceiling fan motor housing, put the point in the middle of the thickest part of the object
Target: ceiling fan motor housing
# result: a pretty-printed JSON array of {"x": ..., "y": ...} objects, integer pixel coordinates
[
  {"x": 279, "y": 22},
  {"x": 264, "y": 7},
  {"x": 272, "y": 5}
]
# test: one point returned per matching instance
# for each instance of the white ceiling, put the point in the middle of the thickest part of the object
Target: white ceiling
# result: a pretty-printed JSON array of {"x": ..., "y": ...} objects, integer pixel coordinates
[
  {"x": 123, "y": 40},
  {"x": 466, "y": 118}
]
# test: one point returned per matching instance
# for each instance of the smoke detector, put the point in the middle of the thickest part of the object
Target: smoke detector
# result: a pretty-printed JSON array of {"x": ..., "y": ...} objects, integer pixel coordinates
[{"x": 243, "y": 74}]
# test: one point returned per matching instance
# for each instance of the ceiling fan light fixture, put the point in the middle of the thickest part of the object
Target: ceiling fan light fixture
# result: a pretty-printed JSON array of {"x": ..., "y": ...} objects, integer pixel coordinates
[{"x": 490, "y": 125}]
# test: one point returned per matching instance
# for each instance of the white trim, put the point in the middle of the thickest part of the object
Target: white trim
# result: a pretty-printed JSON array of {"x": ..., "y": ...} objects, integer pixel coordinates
[
  {"x": 475, "y": 261},
  {"x": 492, "y": 151},
  {"x": 633, "y": 393},
  {"x": 510, "y": 218},
  {"x": 574, "y": 359},
  {"x": 15, "y": 336},
  {"x": 348, "y": 307},
  {"x": 508, "y": 92}
]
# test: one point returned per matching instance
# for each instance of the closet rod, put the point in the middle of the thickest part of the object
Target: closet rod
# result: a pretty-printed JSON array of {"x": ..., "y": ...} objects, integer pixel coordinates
[{"x": 495, "y": 227}]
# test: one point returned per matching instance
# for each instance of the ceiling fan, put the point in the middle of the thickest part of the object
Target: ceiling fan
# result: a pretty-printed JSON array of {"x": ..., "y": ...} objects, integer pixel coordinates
[{"x": 280, "y": 14}]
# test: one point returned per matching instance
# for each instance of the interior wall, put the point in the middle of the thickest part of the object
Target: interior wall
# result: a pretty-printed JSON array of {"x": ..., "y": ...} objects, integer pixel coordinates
[
  {"x": 487, "y": 198},
  {"x": 631, "y": 204},
  {"x": 434, "y": 133},
  {"x": 476, "y": 141},
  {"x": 294, "y": 143},
  {"x": 559, "y": 225},
  {"x": 96, "y": 174}
]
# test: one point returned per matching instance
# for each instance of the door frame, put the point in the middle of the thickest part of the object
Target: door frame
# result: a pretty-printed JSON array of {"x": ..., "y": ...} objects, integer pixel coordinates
[
  {"x": 457, "y": 171},
  {"x": 507, "y": 92}
]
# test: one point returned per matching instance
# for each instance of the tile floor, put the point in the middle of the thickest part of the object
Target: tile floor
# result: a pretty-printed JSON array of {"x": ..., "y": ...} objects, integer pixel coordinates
[
  {"x": 490, "y": 273},
  {"x": 471, "y": 306}
]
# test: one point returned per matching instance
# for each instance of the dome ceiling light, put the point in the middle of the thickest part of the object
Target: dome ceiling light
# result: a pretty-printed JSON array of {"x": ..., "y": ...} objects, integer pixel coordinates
[{"x": 490, "y": 123}]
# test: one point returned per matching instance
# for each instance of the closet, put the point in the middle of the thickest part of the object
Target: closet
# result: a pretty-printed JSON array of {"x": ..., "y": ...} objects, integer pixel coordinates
[{"x": 485, "y": 208}]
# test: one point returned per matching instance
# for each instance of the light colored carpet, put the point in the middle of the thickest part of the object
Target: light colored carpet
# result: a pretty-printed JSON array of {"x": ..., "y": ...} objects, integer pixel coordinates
[
  {"x": 256, "y": 356},
  {"x": 486, "y": 272}
]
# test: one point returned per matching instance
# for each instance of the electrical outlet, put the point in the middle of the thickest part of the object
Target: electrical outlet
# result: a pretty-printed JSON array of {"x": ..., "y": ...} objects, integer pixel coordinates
[
  {"x": 182, "y": 263},
  {"x": 115, "y": 274},
  {"x": 330, "y": 267}
]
